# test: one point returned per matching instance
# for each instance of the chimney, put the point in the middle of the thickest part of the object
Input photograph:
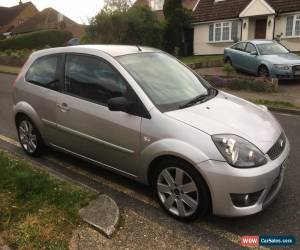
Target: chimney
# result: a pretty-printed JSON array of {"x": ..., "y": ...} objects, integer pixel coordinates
[
  {"x": 20, "y": 2},
  {"x": 60, "y": 17}
]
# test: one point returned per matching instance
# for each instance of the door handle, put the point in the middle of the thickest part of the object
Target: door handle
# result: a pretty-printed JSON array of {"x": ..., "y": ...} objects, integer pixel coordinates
[{"x": 63, "y": 107}]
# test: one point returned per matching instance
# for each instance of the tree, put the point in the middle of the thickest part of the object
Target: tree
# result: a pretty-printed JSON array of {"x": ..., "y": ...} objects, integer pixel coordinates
[
  {"x": 177, "y": 19},
  {"x": 117, "y": 5},
  {"x": 137, "y": 25}
]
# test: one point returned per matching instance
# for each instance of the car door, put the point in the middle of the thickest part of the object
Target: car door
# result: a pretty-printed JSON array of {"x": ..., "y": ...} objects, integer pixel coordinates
[
  {"x": 238, "y": 53},
  {"x": 86, "y": 125},
  {"x": 250, "y": 60},
  {"x": 43, "y": 80}
]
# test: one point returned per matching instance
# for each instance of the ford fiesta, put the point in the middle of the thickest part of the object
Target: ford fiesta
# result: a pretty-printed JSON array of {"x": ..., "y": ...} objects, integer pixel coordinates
[{"x": 139, "y": 112}]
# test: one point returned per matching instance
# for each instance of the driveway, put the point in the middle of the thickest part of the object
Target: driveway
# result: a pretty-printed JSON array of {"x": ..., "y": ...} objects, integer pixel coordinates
[{"x": 281, "y": 218}]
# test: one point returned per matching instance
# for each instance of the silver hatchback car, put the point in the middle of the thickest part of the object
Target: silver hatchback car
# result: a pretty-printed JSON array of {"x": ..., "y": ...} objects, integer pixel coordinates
[{"x": 141, "y": 113}]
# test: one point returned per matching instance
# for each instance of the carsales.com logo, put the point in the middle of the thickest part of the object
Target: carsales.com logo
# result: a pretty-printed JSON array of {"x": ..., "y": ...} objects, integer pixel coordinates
[{"x": 267, "y": 240}]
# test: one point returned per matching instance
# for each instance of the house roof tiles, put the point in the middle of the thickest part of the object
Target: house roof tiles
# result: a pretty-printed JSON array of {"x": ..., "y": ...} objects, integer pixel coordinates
[{"x": 209, "y": 10}]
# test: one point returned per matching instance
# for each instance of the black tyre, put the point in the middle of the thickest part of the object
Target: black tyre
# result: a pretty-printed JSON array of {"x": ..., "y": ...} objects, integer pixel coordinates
[
  {"x": 263, "y": 71},
  {"x": 180, "y": 190},
  {"x": 228, "y": 61},
  {"x": 29, "y": 137}
]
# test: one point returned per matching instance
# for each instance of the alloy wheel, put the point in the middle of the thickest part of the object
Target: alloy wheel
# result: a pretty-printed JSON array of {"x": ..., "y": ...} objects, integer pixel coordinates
[
  {"x": 28, "y": 137},
  {"x": 178, "y": 192},
  {"x": 263, "y": 71}
]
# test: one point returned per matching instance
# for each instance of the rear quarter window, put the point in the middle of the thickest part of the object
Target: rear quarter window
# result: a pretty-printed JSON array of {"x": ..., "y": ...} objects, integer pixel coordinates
[{"x": 43, "y": 72}]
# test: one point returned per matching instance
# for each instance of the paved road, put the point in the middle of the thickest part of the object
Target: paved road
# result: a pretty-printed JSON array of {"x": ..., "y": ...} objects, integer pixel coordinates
[{"x": 281, "y": 218}]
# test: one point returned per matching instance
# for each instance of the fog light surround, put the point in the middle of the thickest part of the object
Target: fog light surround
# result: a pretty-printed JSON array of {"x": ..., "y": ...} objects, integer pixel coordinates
[{"x": 245, "y": 200}]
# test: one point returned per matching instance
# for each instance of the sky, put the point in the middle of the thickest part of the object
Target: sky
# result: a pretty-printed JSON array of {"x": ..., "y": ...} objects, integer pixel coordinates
[{"x": 78, "y": 10}]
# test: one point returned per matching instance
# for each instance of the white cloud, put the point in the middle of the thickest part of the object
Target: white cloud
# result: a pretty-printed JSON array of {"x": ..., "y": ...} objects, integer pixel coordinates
[{"x": 77, "y": 10}]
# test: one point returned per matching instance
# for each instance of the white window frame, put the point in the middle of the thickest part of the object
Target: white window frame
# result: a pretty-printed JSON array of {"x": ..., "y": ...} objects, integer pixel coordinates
[
  {"x": 222, "y": 26},
  {"x": 156, "y": 4},
  {"x": 296, "y": 18}
]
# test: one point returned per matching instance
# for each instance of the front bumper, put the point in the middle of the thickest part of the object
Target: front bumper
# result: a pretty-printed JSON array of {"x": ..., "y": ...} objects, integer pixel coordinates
[
  {"x": 224, "y": 180},
  {"x": 285, "y": 74}
]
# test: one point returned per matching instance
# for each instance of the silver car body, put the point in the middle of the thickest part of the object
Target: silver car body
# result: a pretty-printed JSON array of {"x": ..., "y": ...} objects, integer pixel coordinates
[
  {"x": 129, "y": 145},
  {"x": 248, "y": 62}
]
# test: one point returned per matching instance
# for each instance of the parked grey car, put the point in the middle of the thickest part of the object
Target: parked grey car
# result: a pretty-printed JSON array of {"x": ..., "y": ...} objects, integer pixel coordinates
[
  {"x": 264, "y": 58},
  {"x": 139, "y": 112}
]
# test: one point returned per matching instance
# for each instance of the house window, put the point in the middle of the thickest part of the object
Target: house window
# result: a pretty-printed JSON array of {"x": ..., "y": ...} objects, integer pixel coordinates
[
  {"x": 157, "y": 4},
  {"x": 223, "y": 31},
  {"x": 293, "y": 26}
]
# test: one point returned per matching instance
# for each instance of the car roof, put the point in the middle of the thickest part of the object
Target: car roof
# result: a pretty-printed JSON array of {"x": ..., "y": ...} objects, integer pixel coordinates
[
  {"x": 112, "y": 50},
  {"x": 260, "y": 41}
]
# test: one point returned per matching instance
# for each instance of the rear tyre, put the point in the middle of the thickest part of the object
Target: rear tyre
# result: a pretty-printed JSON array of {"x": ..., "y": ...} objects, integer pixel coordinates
[
  {"x": 180, "y": 190},
  {"x": 29, "y": 137},
  {"x": 263, "y": 71},
  {"x": 228, "y": 61}
]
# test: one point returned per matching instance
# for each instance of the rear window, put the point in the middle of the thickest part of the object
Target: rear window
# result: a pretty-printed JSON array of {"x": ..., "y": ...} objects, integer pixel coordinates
[{"x": 43, "y": 72}]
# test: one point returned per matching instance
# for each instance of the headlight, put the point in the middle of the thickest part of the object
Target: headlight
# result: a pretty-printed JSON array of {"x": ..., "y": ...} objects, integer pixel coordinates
[
  {"x": 281, "y": 66},
  {"x": 238, "y": 152}
]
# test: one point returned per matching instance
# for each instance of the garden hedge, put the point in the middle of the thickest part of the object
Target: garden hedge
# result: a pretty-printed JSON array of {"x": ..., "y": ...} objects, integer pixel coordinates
[{"x": 36, "y": 40}]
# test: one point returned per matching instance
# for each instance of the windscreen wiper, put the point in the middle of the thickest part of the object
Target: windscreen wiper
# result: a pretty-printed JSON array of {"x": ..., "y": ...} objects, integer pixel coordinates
[{"x": 200, "y": 98}]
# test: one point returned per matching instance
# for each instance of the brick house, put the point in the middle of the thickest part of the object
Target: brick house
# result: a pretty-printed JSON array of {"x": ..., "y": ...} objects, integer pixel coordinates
[
  {"x": 12, "y": 17},
  {"x": 49, "y": 18}
]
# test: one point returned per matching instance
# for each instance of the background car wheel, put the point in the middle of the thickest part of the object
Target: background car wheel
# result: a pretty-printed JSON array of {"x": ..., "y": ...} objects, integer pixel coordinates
[
  {"x": 29, "y": 137},
  {"x": 180, "y": 190},
  {"x": 263, "y": 71},
  {"x": 228, "y": 61}
]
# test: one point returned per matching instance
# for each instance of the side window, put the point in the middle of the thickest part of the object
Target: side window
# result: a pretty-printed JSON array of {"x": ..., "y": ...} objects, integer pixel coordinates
[
  {"x": 43, "y": 72},
  {"x": 93, "y": 79},
  {"x": 239, "y": 46},
  {"x": 250, "y": 48}
]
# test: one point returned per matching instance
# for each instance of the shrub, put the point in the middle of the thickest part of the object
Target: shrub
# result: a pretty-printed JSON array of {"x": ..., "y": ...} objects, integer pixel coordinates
[
  {"x": 228, "y": 68},
  {"x": 35, "y": 40},
  {"x": 135, "y": 26},
  {"x": 256, "y": 85}
]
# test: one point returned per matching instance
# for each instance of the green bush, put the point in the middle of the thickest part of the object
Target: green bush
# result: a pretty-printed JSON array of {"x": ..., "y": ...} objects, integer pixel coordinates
[
  {"x": 36, "y": 40},
  {"x": 254, "y": 85},
  {"x": 251, "y": 85},
  {"x": 228, "y": 69},
  {"x": 135, "y": 26}
]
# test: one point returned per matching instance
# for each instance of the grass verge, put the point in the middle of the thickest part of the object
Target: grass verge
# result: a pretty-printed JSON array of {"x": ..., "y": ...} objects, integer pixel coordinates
[
  {"x": 37, "y": 211},
  {"x": 9, "y": 69},
  {"x": 276, "y": 104},
  {"x": 200, "y": 59}
]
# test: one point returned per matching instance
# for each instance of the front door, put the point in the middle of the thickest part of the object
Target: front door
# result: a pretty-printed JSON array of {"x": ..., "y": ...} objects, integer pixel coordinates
[
  {"x": 86, "y": 124},
  {"x": 260, "y": 28}
]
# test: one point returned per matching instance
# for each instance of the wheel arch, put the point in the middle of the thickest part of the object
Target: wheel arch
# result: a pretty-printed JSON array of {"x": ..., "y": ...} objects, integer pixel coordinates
[
  {"x": 169, "y": 148},
  {"x": 154, "y": 163},
  {"x": 25, "y": 109},
  {"x": 263, "y": 64}
]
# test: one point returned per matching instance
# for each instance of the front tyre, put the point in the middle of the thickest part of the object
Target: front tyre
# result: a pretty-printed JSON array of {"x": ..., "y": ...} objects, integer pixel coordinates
[
  {"x": 29, "y": 137},
  {"x": 180, "y": 190},
  {"x": 263, "y": 71}
]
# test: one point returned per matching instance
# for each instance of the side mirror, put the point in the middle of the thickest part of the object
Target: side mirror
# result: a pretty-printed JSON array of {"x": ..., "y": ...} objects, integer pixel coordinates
[
  {"x": 121, "y": 104},
  {"x": 253, "y": 53}
]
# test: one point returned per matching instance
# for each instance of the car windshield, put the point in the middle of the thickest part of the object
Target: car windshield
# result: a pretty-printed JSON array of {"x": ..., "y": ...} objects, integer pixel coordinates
[
  {"x": 271, "y": 49},
  {"x": 167, "y": 82}
]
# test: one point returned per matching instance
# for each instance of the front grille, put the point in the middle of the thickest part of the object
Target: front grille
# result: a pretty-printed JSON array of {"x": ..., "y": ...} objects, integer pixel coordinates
[{"x": 277, "y": 148}]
